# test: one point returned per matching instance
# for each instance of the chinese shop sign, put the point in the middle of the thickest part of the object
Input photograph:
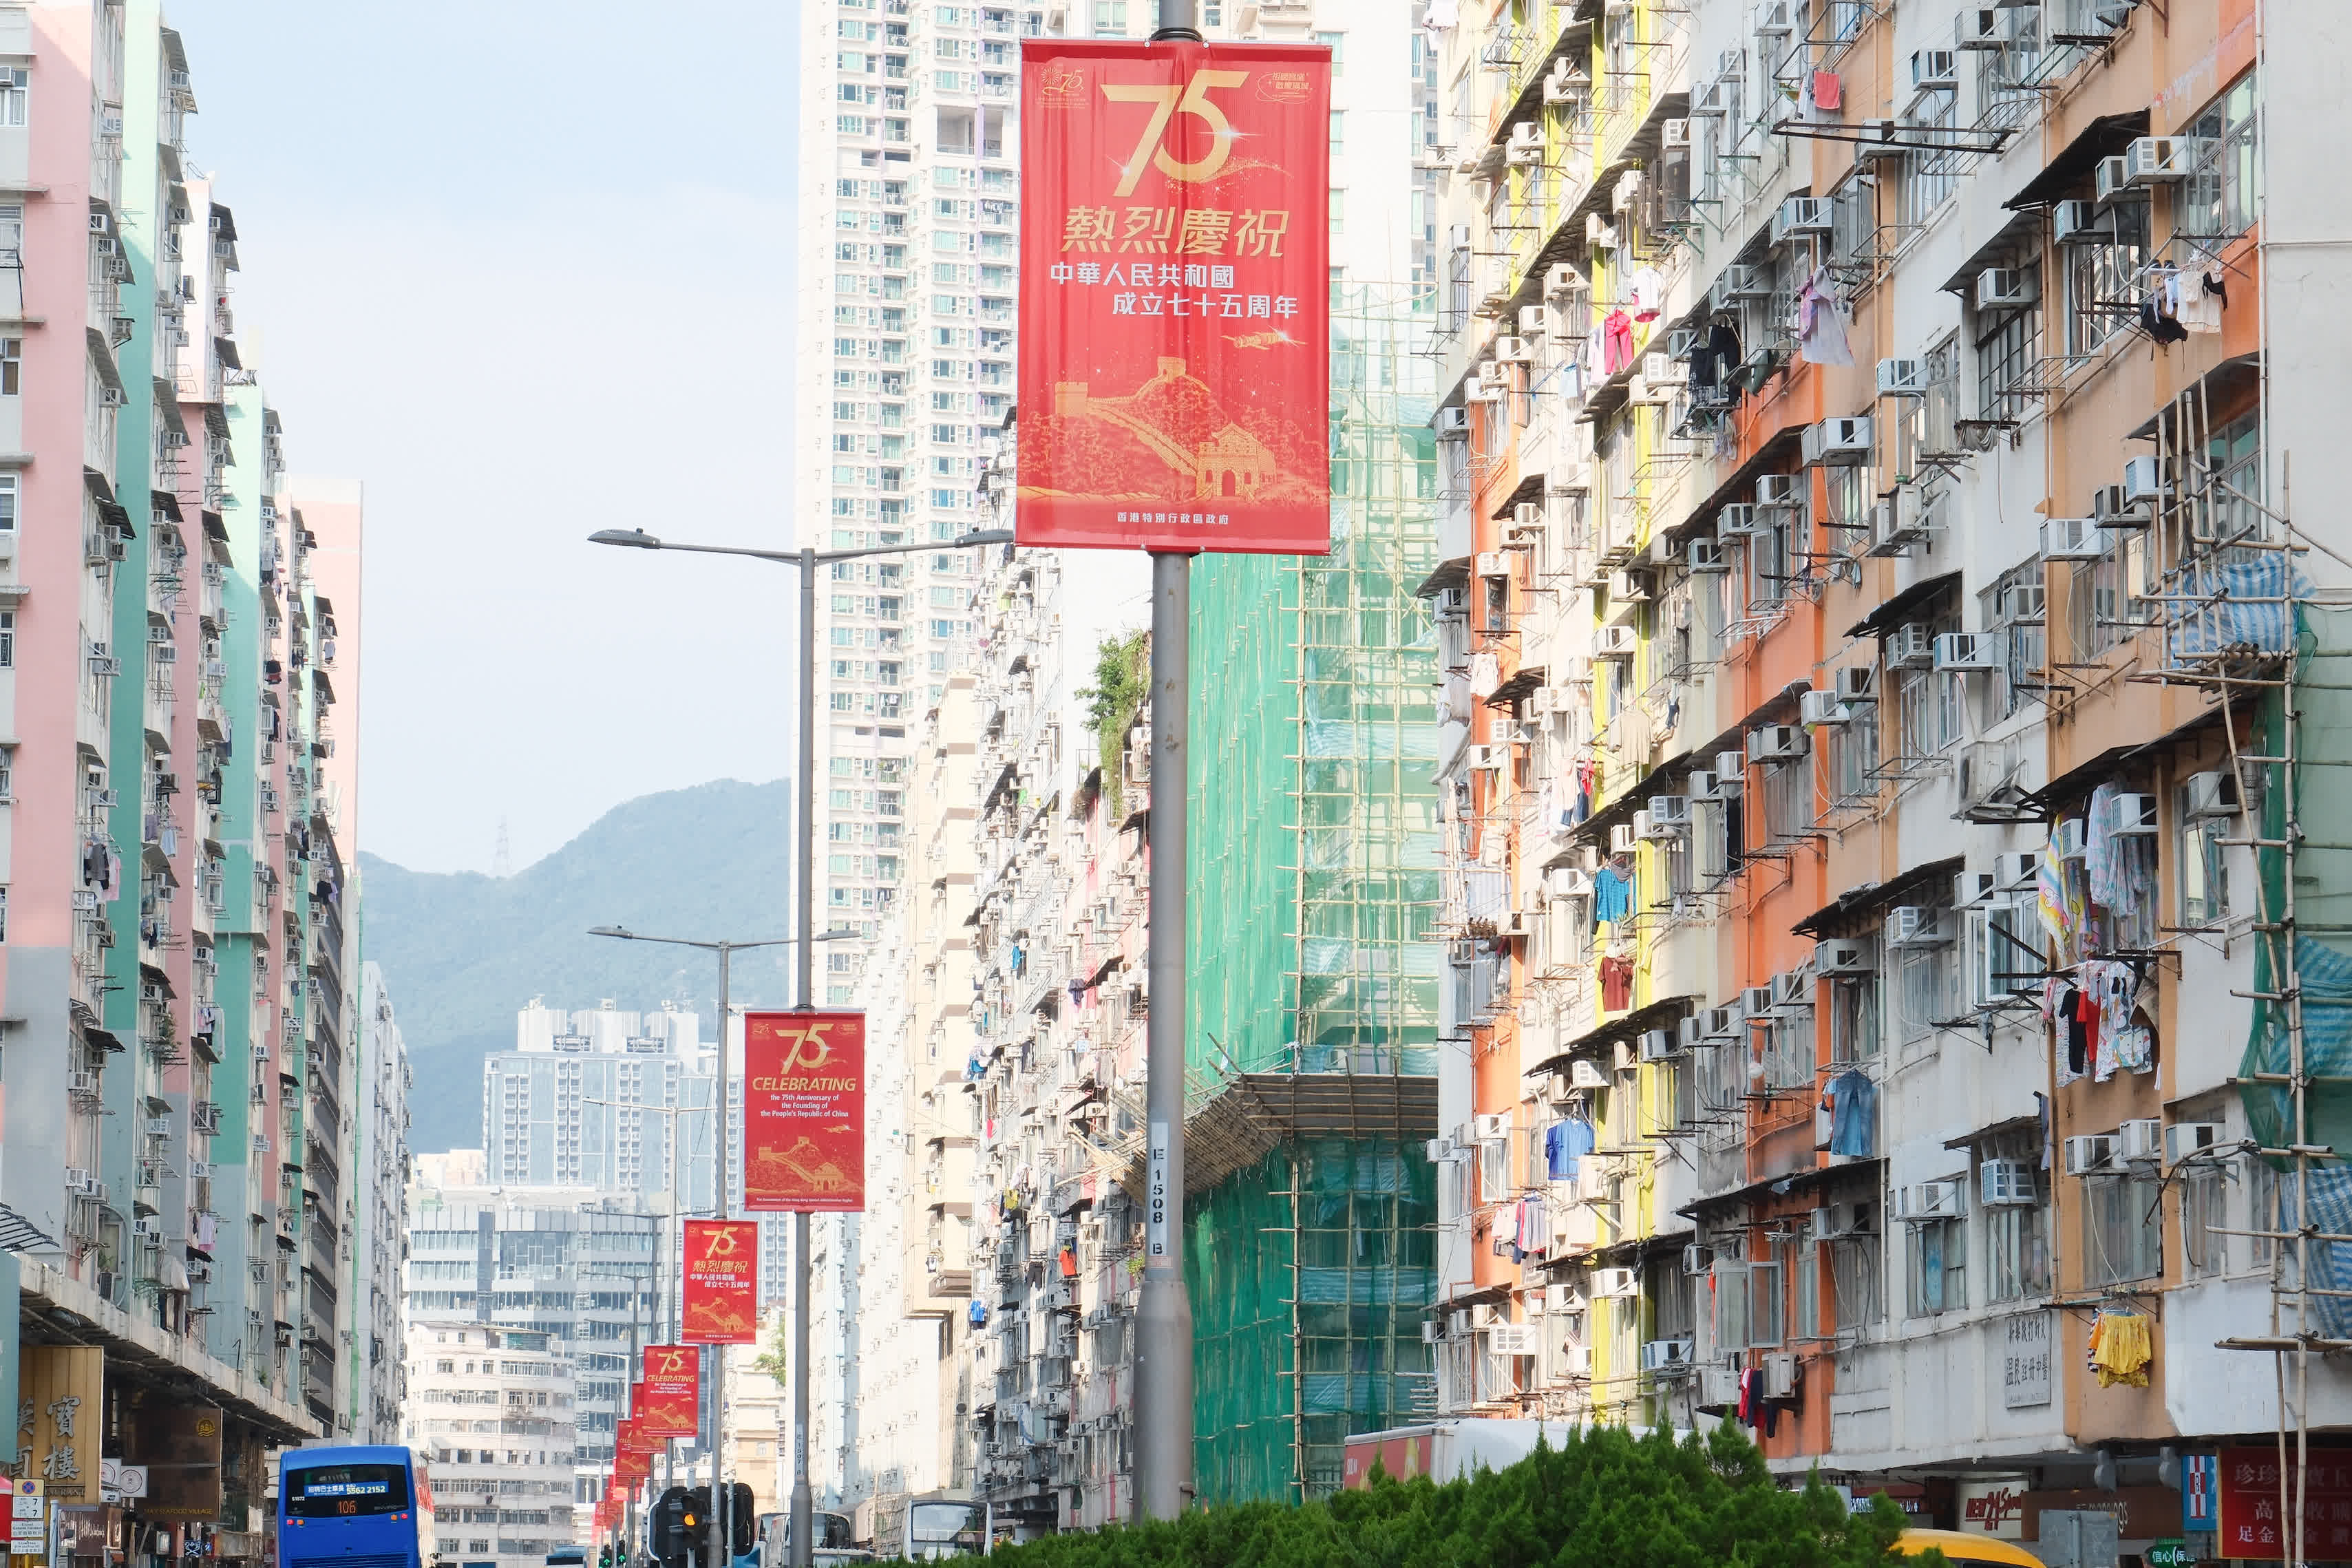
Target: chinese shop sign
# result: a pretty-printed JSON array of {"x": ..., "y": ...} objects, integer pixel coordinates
[
  {"x": 722, "y": 1281},
  {"x": 59, "y": 1417},
  {"x": 2252, "y": 1522},
  {"x": 668, "y": 1400},
  {"x": 805, "y": 1112},
  {"x": 1175, "y": 326}
]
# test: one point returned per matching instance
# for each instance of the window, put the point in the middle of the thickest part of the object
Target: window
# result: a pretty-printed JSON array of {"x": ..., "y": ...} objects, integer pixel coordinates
[
  {"x": 12, "y": 367},
  {"x": 1929, "y": 178},
  {"x": 1728, "y": 1285},
  {"x": 1338, "y": 133},
  {"x": 1808, "y": 1289},
  {"x": 15, "y": 94},
  {"x": 2017, "y": 1236},
  {"x": 1855, "y": 1276},
  {"x": 2224, "y": 197},
  {"x": 1493, "y": 1170},
  {"x": 2204, "y": 877},
  {"x": 2103, "y": 280},
  {"x": 1938, "y": 1269},
  {"x": 2123, "y": 1230},
  {"x": 2012, "y": 606},
  {"x": 2234, "y": 455},
  {"x": 1338, "y": 209},
  {"x": 1767, "y": 1305},
  {"x": 2204, "y": 1249},
  {"x": 7, "y": 638},
  {"x": 1854, "y": 1017},
  {"x": 1930, "y": 703},
  {"x": 1338, "y": 44},
  {"x": 1854, "y": 754},
  {"x": 2002, "y": 958},
  {"x": 2007, "y": 343},
  {"x": 1924, "y": 975},
  {"x": 1788, "y": 1048},
  {"x": 1110, "y": 18}
]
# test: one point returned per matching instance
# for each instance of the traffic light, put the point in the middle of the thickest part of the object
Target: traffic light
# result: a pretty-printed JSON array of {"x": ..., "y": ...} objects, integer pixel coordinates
[
  {"x": 605, "y": 1558},
  {"x": 741, "y": 1520},
  {"x": 669, "y": 1540},
  {"x": 696, "y": 1526}
]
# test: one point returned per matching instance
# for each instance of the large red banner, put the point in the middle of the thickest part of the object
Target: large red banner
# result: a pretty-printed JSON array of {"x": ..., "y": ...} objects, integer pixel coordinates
[
  {"x": 805, "y": 1112},
  {"x": 2251, "y": 1525},
  {"x": 1175, "y": 296},
  {"x": 669, "y": 1399},
  {"x": 722, "y": 1282}
]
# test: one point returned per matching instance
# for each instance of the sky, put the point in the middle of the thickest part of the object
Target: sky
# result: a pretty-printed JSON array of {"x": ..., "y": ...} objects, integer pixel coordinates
[{"x": 524, "y": 270}]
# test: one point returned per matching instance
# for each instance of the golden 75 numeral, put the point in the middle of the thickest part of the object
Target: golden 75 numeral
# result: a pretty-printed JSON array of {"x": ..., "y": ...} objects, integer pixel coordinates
[{"x": 1171, "y": 100}]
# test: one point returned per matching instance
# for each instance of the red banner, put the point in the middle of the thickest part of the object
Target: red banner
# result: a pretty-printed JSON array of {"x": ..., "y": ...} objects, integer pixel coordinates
[
  {"x": 630, "y": 1468},
  {"x": 805, "y": 1112},
  {"x": 1175, "y": 296},
  {"x": 2252, "y": 1524},
  {"x": 722, "y": 1282},
  {"x": 669, "y": 1399},
  {"x": 627, "y": 1436}
]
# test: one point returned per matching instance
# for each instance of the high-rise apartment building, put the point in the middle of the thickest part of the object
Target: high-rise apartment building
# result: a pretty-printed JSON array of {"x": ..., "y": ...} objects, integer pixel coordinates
[
  {"x": 1887, "y": 734},
  {"x": 605, "y": 1098},
  {"x": 491, "y": 1409},
  {"x": 178, "y": 932}
]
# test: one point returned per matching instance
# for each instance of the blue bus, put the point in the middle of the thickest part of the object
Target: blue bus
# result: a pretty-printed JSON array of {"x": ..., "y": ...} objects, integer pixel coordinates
[{"x": 354, "y": 1507}]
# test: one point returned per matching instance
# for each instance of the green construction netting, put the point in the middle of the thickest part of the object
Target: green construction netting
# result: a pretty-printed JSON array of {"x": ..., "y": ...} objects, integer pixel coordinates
[
  {"x": 1307, "y": 1297},
  {"x": 1314, "y": 881}
]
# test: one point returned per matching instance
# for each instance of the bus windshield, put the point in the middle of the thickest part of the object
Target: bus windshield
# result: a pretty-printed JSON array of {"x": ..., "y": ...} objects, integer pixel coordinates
[
  {"x": 932, "y": 1525},
  {"x": 343, "y": 1490}
]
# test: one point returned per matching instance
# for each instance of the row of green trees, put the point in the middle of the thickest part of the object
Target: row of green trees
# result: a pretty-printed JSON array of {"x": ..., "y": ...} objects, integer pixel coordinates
[{"x": 1603, "y": 1500}]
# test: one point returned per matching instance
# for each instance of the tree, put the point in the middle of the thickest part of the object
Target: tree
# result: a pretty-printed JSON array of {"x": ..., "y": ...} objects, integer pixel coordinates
[{"x": 1603, "y": 1498}]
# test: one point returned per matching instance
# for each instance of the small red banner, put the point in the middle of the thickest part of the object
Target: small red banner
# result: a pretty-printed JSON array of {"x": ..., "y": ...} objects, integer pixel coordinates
[
  {"x": 1175, "y": 296},
  {"x": 669, "y": 1399},
  {"x": 804, "y": 1113},
  {"x": 722, "y": 1282}
]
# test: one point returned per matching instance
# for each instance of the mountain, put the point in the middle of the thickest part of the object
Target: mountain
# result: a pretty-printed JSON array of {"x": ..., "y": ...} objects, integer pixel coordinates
[{"x": 462, "y": 952}]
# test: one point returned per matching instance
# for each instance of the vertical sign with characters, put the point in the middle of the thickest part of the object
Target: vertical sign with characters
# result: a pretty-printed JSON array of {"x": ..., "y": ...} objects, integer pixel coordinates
[
  {"x": 669, "y": 1397},
  {"x": 722, "y": 1282},
  {"x": 1174, "y": 382},
  {"x": 804, "y": 1113},
  {"x": 58, "y": 1418}
]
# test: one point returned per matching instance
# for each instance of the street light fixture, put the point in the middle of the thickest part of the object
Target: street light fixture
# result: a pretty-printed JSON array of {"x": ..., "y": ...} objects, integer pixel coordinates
[
  {"x": 803, "y": 1503},
  {"x": 718, "y": 1163}
]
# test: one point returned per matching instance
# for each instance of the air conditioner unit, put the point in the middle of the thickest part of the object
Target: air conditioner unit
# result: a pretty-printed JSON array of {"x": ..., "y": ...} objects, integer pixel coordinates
[
  {"x": 1613, "y": 642},
  {"x": 1972, "y": 888},
  {"x": 1729, "y": 767},
  {"x": 1816, "y": 708},
  {"x": 79, "y": 1181},
  {"x": 1659, "y": 1045},
  {"x": 1755, "y": 1002},
  {"x": 1613, "y": 1284},
  {"x": 1437, "y": 1150},
  {"x": 1793, "y": 989},
  {"x": 2109, "y": 180},
  {"x": 1666, "y": 1355},
  {"x": 2005, "y": 1183},
  {"x": 1513, "y": 351},
  {"x": 2004, "y": 289},
  {"x": 1843, "y": 955},
  {"x": 2015, "y": 869},
  {"x": 2141, "y": 1138},
  {"x": 1493, "y": 563},
  {"x": 1514, "y": 1339},
  {"x": 1934, "y": 70},
  {"x": 1484, "y": 758},
  {"x": 1717, "y": 1024},
  {"x": 1801, "y": 214},
  {"x": 2185, "y": 1139},
  {"x": 2163, "y": 160},
  {"x": 1560, "y": 88},
  {"x": 1671, "y": 811},
  {"x": 1738, "y": 519},
  {"x": 1835, "y": 1222},
  {"x": 2023, "y": 603},
  {"x": 1622, "y": 840},
  {"x": 1486, "y": 1128},
  {"x": 1629, "y": 587},
  {"x": 2144, "y": 481},
  {"x": 2066, "y": 838},
  {"x": 1913, "y": 647},
  {"x": 1855, "y": 683},
  {"x": 1562, "y": 1299},
  {"x": 2211, "y": 794},
  {"x": 1525, "y": 144},
  {"x": 1687, "y": 1037},
  {"x": 1772, "y": 18},
  {"x": 1776, "y": 743},
  {"x": 1980, "y": 27},
  {"x": 1564, "y": 280},
  {"x": 1665, "y": 369},
  {"x": 1743, "y": 281},
  {"x": 2090, "y": 1153},
  {"x": 2134, "y": 814},
  {"x": 1837, "y": 442},
  {"x": 1968, "y": 651},
  {"x": 1535, "y": 320},
  {"x": 1902, "y": 378},
  {"x": 2072, "y": 539},
  {"x": 1433, "y": 1333},
  {"x": 1642, "y": 828},
  {"x": 1452, "y": 421},
  {"x": 1711, "y": 99},
  {"x": 1674, "y": 134},
  {"x": 1916, "y": 926},
  {"x": 1943, "y": 1199},
  {"x": 2081, "y": 223},
  {"x": 1702, "y": 784},
  {"x": 1706, "y": 557},
  {"x": 1584, "y": 1074},
  {"x": 2112, "y": 506}
]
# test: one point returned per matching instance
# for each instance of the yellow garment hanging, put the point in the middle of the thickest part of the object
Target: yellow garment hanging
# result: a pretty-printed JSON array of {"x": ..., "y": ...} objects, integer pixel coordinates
[{"x": 2121, "y": 1350}]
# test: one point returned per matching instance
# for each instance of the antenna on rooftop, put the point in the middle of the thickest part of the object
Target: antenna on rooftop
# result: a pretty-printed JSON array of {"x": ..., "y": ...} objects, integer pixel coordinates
[{"x": 502, "y": 857}]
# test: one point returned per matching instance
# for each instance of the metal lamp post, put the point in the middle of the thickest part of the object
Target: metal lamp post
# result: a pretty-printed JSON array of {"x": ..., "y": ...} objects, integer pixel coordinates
[
  {"x": 715, "y": 1414},
  {"x": 803, "y": 1505}
]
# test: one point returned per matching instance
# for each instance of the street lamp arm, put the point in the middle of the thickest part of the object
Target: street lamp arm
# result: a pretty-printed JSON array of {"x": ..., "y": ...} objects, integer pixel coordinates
[
  {"x": 967, "y": 541},
  {"x": 623, "y": 933}
]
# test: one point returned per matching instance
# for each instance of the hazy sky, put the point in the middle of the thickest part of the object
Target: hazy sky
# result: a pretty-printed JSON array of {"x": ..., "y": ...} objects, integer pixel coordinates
[{"x": 525, "y": 270}]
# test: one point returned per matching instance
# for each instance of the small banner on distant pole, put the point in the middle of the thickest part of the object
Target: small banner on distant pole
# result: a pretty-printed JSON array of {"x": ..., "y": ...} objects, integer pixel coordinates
[
  {"x": 804, "y": 1113},
  {"x": 669, "y": 1399},
  {"x": 1175, "y": 334},
  {"x": 722, "y": 1282}
]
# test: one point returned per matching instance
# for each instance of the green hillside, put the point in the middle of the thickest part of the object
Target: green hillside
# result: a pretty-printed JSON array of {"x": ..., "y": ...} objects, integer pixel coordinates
[{"x": 462, "y": 952}]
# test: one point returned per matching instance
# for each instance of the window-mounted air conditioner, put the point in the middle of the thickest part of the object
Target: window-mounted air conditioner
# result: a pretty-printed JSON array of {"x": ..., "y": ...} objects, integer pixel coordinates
[
  {"x": 2211, "y": 794},
  {"x": 1742, "y": 281},
  {"x": 1740, "y": 520},
  {"x": 2004, "y": 289},
  {"x": 2081, "y": 223},
  {"x": 1772, "y": 20},
  {"x": 1613, "y": 642},
  {"x": 1697, "y": 1257},
  {"x": 1514, "y": 350},
  {"x": 1980, "y": 27},
  {"x": 2163, "y": 160},
  {"x": 2184, "y": 1140},
  {"x": 1841, "y": 442},
  {"x": 1820, "y": 707},
  {"x": 1705, "y": 556},
  {"x": 1902, "y": 378},
  {"x": 1563, "y": 280},
  {"x": 2072, "y": 539},
  {"x": 1622, "y": 840},
  {"x": 1801, "y": 216},
  {"x": 1916, "y": 926},
  {"x": 1674, "y": 134},
  {"x": 1614, "y": 1284},
  {"x": 1670, "y": 810},
  {"x": 1452, "y": 421},
  {"x": 1703, "y": 784},
  {"x": 1934, "y": 70},
  {"x": 1535, "y": 320},
  {"x": 2141, "y": 1138},
  {"x": 2144, "y": 481},
  {"x": 1712, "y": 100},
  {"x": 1525, "y": 146},
  {"x": 1968, "y": 651},
  {"x": 1913, "y": 647},
  {"x": 1756, "y": 1002},
  {"x": 1855, "y": 683},
  {"x": 2110, "y": 180},
  {"x": 2006, "y": 1184},
  {"x": 2134, "y": 814},
  {"x": 2088, "y": 1153},
  {"x": 1781, "y": 490},
  {"x": 1659, "y": 1045},
  {"x": 1487, "y": 1129},
  {"x": 1972, "y": 887},
  {"x": 1844, "y": 955},
  {"x": 1717, "y": 1025},
  {"x": 1666, "y": 1357},
  {"x": 1776, "y": 743},
  {"x": 1729, "y": 769},
  {"x": 1943, "y": 1199}
]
